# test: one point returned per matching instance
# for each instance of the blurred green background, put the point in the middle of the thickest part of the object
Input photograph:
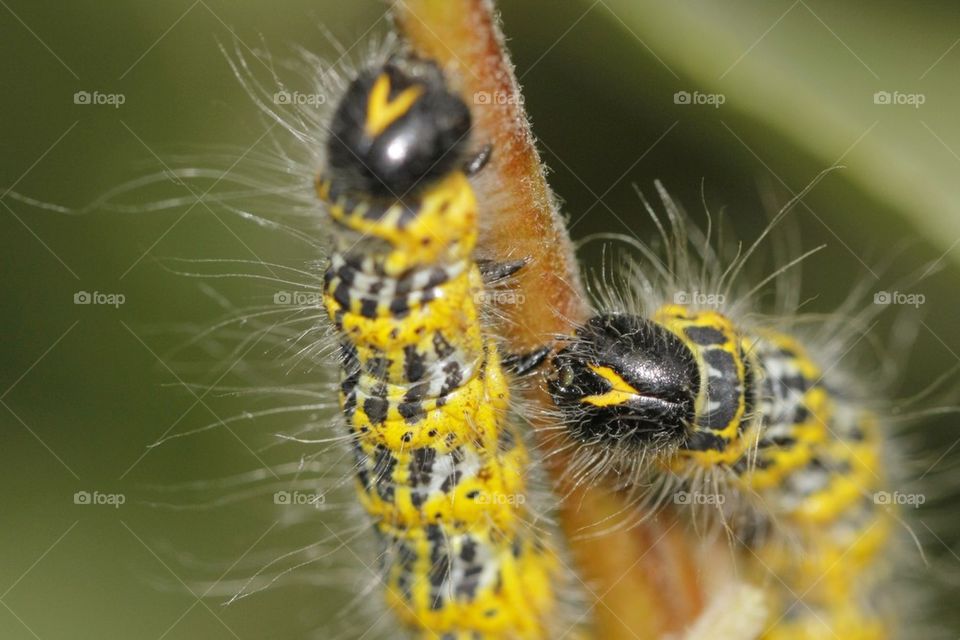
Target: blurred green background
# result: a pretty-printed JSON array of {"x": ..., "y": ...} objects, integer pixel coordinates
[{"x": 86, "y": 388}]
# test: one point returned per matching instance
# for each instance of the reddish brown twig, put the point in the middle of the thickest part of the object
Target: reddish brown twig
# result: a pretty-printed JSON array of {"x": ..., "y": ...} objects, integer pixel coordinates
[{"x": 644, "y": 578}]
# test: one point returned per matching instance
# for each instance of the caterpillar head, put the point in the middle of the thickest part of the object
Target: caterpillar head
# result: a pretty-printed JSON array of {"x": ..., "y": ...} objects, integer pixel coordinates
[
  {"x": 396, "y": 129},
  {"x": 624, "y": 380}
]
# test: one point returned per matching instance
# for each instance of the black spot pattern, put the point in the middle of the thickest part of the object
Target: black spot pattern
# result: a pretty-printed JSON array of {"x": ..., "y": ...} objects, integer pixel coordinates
[
  {"x": 378, "y": 366},
  {"x": 705, "y": 441},
  {"x": 376, "y": 410},
  {"x": 705, "y": 336},
  {"x": 414, "y": 364},
  {"x": 341, "y": 294},
  {"x": 412, "y": 412},
  {"x": 454, "y": 377},
  {"x": 383, "y": 466},
  {"x": 441, "y": 347},
  {"x": 472, "y": 568},
  {"x": 399, "y": 308},
  {"x": 439, "y": 565},
  {"x": 723, "y": 388},
  {"x": 368, "y": 308},
  {"x": 421, "y": 471}
]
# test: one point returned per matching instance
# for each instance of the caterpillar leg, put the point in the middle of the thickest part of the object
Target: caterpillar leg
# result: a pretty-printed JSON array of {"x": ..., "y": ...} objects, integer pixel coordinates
[
  {"x": 494, "y": 272},
  {"x": 475, "y": 165},
  {"x": 523, "y": 364}
]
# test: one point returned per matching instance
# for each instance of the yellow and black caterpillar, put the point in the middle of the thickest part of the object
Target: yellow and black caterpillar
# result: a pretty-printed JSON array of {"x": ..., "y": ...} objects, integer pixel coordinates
[
  {"x": 424, "y": 392},
  {"x": 686, "y": 405},
  {"x": 683, "y": 401}
]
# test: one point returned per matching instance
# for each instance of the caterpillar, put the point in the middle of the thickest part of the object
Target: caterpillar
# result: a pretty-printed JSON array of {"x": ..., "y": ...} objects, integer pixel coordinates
[
  {"x": 690, "y": 400},
  {"x": 424, "y": 393},
  {"x": 733, "y": 407}
]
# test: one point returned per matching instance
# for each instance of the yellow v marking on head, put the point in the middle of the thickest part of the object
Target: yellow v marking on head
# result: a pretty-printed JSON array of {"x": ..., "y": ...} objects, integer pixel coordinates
[
  {"x": 620, "y": 391},
  {"x": 382, "y": 111}
]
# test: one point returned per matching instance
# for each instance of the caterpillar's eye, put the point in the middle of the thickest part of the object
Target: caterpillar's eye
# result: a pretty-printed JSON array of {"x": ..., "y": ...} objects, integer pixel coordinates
[
  {"x": 565, "y": 376},
  {"x": 575, "y": 379}
]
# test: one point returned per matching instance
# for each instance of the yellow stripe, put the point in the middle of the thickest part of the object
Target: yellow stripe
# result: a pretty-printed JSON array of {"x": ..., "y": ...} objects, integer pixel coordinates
[
  {"x": 382, "y": 111},
  {"x": 620, "y": 391}
]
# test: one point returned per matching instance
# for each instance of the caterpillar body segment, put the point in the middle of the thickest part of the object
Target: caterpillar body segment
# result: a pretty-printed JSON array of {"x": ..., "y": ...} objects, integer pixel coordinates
[
  {"x": 439, "y": 467},
  {"x": 748, "y": 420},
  {"x": 810, "y": 458}
]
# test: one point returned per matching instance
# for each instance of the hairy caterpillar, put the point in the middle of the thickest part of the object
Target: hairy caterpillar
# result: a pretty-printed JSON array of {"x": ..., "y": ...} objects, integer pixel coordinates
[
  {"x": 739, "y": 322},
  {"x": 695, "y": 401},
  {"x": 423, "y": 391},
  {"x": 424, "y": 432}
]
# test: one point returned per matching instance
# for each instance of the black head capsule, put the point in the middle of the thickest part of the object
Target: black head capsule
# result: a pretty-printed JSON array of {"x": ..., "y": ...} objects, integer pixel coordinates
[
  {"x": 625, "y": 380},
  {"x": 396, "y": 129}
]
